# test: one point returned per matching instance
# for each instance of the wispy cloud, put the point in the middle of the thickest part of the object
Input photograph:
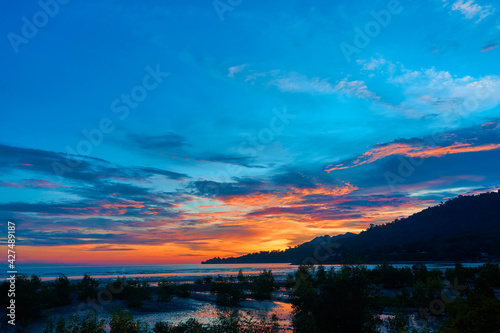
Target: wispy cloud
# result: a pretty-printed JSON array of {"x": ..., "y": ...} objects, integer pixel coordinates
[
  {"x": 410, "y": 150},
  {"x": 355, "y": 88},
  {"x": 372, "y": 64},
  {"x": 163, "y": 142},
  {"x": 299, "y": 83},
  {"x": 110, "y": 248},
  {"x": 294, "y": 82},
  {"x": 489, "y": 47},
  {"x": 235, "y": 69},
  {"x": 33, "y": 183},
  {"x": 472, "y": 10}
]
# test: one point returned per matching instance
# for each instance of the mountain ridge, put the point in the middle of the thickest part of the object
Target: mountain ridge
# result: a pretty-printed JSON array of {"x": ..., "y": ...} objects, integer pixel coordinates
[{"x": 463, "y": 228}]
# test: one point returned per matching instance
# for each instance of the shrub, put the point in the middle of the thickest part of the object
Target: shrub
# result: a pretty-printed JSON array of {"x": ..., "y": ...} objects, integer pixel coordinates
[
  {"x": 263, "y": 285},
  {"x": 343, "y": 303},
  {"x": 61, "y": 291},
  {"x": 135, "y": 292},
  {"x": 28, "y": 298},
  {"x": 123, "y": 322},
  {"x": 167, "y": 289},
  {"x": 491, "y": 272},
  {"x": 87, "y": 287},
  {"x": 228, "y": 294},
  {"x": 76, "y": 324},
  {"x": 241, "y": 278},
  {"x": 480, "y": 312},
  {"x": 290, "y": 281},
  {"x": 165, "y": 292},
  {"x": 390, "y": 276}
]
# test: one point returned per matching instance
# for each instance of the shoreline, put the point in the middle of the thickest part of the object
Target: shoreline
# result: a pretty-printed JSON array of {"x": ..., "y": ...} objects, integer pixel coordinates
[{"x": 280, "y": 271}]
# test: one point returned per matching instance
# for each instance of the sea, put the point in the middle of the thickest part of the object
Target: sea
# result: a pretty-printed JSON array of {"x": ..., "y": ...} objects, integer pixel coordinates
[{"x": 178, "y": 272}]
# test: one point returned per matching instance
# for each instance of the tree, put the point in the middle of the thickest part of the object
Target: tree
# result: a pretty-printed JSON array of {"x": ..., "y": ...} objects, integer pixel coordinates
[
  {"x": 76, "y": 324},
  {"x": 87, "y": 287},
  {"x": 343, "y": 303},
  {"x": 123, "y": 322},
  {"x": 228, "y": 294},
  {"x": 263, "y": 285},
  {"x": 241, "y": 277},
  {"x": 479, "y": 312},
  {"x": 165, "y": 292},
  {"x": 28, "y": 298},
  {"x": 61, "y": 291}
]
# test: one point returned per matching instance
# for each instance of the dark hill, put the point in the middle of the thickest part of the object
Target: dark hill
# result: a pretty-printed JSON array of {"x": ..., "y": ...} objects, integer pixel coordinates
[{"x": 463, "y": 228}]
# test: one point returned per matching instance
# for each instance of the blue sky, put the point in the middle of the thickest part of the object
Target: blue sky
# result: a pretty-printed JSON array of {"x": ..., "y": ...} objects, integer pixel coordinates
[{"x": 218, "y": 128}]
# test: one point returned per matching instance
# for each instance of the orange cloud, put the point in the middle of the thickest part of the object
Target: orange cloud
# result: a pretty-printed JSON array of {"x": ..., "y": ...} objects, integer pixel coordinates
[
  {"x": 289, "y": 196},
  {"x": 405, "y": 149}
]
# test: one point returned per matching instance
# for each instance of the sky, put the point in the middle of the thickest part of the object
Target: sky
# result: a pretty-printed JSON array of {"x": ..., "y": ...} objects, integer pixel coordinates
[{"x": 172, "y": 132}]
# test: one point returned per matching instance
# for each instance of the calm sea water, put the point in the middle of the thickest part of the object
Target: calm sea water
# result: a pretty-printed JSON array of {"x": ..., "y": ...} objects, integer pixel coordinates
[{"x": 179, "y": 272}]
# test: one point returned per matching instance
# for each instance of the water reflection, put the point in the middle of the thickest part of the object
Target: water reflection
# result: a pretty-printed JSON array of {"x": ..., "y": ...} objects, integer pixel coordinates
[{"x": 207, "y": 313}]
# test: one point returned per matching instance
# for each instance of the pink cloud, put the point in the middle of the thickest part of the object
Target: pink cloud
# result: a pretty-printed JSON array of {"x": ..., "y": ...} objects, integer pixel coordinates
[
  {"x": 489, "y": 47},
  {"x": 32, "y": 183}
]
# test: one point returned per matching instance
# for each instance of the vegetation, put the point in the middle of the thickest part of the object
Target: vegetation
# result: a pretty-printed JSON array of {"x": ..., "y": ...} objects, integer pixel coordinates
[
  {"x": 263, "y": 285},
  {"x": 76, "y": 324},
  {"x": 348, "y": 299},
  {"x": 123, "y": 322},
  {"x": 60, "y": 291},
  {"x": 30, "y": 298},
  {"x": 87, "y": 288},
  {"x": 167, "y": 289},
  {"x": 241, "y": 278},
  {"x": 228, "y": 293},
  {"x": 135, "y": 292},
  {"x": 479, "y": 312},
  {"x": 343, "y": 302}
]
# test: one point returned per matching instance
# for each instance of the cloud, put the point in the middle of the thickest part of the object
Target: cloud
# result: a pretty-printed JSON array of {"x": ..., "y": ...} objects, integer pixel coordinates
[
  {"x": 434, "y": 93},
  {"x": 490, "y": 125},
  {"x": 489, "y": 47},
  {"x": 431, "y": 91},
  {"x": 299, "y": 83},
  {"x": 144, "y": 172},
  {"x": 295, "y": 82},
  {"x": 79, "y": 168},
  {"x": 404, "y": 149},
  {"x": 157, "y": 142},
  {"x": 245, "y": 161},
  {"x": 32, "y": 183},
  {"x": 86, "y": 209},
  {"x": 110, "y": 248},
  {"x": 224, "y": 189},
  {"x": 372, "y": 64},
  {"x": 472, "y": 10},
  {"x": 235, "y": 69},
  {"x": 355, "y": 88}
]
